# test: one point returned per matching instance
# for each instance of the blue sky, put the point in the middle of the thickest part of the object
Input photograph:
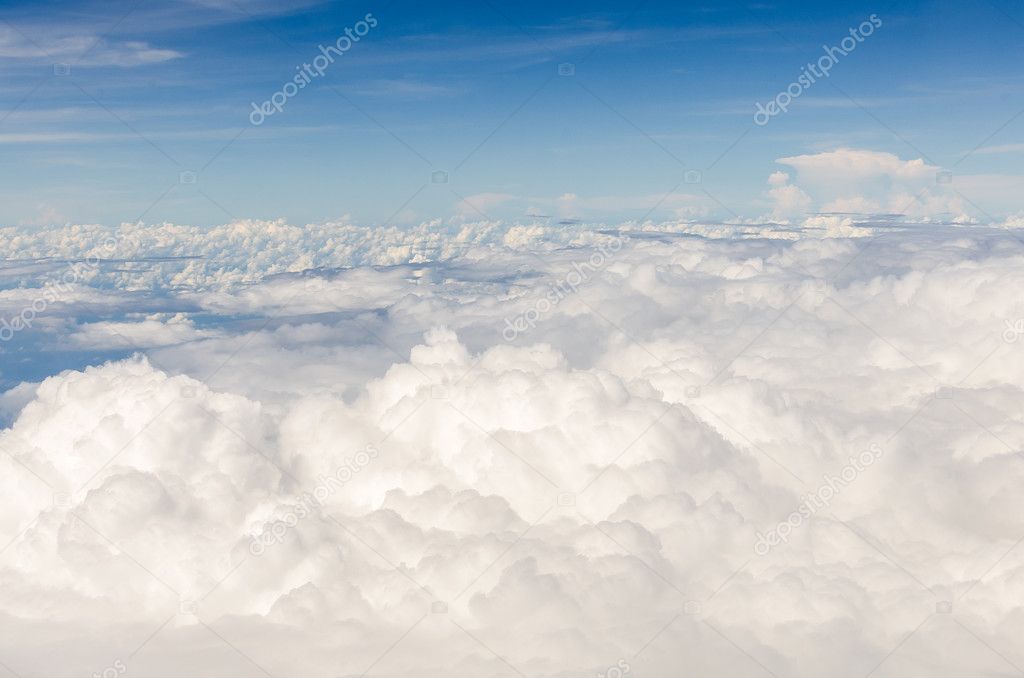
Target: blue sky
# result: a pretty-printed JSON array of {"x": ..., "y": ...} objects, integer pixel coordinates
[{"x": 155, "y": 90}]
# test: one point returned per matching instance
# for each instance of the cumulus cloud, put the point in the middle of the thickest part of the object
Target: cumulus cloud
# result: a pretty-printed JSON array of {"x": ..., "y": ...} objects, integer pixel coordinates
[
  {"x": 864, "y": 181},
  {"x": 859, "y": 165},
  {"x": 326, "y": 455},
  {"x": 788, "y": 200}
]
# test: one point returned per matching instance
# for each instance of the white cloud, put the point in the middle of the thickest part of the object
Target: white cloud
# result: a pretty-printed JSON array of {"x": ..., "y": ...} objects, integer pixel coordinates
[
  {"x": 153, "y": 331},
  {"x": 863, "y": 181},
  {"x": 788, "y": 200},
  {"x": 849, "y": 164},
  {"x": 29, "y": 42},
  {"x": 588, "y": 493}
]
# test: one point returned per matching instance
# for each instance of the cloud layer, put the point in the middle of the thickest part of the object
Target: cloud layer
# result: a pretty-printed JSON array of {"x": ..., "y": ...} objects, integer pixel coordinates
[{"x": 488, "y": 450}]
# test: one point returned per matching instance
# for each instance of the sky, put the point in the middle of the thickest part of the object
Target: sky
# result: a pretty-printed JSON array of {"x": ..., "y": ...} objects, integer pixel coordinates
[
  {"x": 114, "y": 112},
  {"x": 536, "y": 340}
]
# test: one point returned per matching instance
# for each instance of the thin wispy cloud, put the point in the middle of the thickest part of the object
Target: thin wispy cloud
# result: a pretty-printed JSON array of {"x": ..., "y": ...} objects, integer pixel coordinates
[{"x": 84, "y": 50}]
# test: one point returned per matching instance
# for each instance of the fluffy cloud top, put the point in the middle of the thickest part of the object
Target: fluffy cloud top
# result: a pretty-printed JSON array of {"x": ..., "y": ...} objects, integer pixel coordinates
[
  {"x": 859, "y": 165},
  {"x": 520, "y": 451},
  {"x": 863, "y": 181}
]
